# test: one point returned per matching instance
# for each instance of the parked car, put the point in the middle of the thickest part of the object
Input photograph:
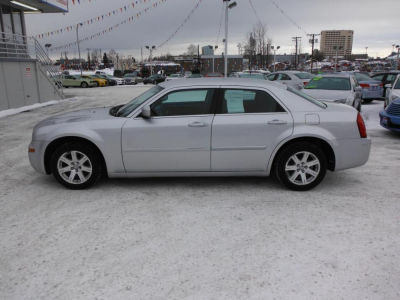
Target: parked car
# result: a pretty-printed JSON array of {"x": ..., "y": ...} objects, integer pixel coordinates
[
  {"x": 386, "y": 78},
  {"x": 98, "y": 81},
  {"x": 204, "y": 127},
  {"x": 393, "y": 91},
  {"x": 295, "y": 79},
  {"x": 110, "y": 80},
  {"x": 154, "y": 79},
  {"x": 337, "y": 87},
  {"x": 251, "y": 75},
  {"x": 174, "y": 76},
  {"x": 372, "y": 89},
  {"x": 390, "y": 117},
  {"x": 214, "y": 74},
  {"x": 195, "y": 75},
  {"x": 77, "y": 81},
  {"x": 132, "y": 78}
]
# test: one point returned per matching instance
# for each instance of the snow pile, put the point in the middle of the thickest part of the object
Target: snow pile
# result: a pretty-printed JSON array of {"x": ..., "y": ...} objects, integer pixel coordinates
[{"x": 14, "y": 111}]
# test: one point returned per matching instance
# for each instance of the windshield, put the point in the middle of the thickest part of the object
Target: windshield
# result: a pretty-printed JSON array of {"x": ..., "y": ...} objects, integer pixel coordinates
[
  {"x": 125, "y": 110},
  {"x": 397, "y": 86},
  {"x": 329, "y": 83},
  {"x": 307, "y": 97},
  {"x": 362, "y": 77},
  {"x": 304, "y": 75}
]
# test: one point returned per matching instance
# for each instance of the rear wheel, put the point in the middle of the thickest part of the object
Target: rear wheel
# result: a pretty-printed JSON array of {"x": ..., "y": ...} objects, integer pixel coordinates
[
  {"x": 76, "y": 166},
  {"x": 84, "y": 85},
  {"x": 301, "y": 166},
  {"x": 96, "y": 84}
]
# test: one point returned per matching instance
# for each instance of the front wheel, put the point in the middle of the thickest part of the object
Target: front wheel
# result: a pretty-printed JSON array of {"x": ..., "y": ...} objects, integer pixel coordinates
[
  {"x": 301, "y": 166},
  {"x": 84, "y": 85},
  {"x": 76, "y": 166}
]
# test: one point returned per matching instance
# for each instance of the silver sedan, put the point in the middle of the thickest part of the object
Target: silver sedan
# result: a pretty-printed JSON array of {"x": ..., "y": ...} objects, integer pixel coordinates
[{"x": 204, "y": 127}]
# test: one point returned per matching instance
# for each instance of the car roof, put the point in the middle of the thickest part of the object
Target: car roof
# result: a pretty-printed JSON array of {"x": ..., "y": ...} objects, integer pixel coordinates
[
  {"x": 339, "y": 75},
  {"x": 247, "y": 82}
]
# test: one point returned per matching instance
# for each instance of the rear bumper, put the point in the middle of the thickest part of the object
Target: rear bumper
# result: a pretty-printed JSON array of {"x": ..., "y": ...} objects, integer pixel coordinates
[
  {"x": 352, "y": 153},
  {"x": 372, "y": 94}
]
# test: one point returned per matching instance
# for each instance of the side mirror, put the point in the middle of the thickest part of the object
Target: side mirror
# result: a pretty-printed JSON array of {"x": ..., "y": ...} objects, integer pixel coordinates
[
  {"x": 146, "y": 112},
  {"x": 388, "y": 86}
]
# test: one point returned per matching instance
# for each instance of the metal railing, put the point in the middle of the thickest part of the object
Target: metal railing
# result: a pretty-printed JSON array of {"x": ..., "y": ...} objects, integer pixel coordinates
[{"x": 21, "y": 47}]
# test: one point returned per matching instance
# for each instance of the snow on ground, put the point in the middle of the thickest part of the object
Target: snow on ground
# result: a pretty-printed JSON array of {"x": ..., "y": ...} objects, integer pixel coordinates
[{"x": 196, "y": 238}]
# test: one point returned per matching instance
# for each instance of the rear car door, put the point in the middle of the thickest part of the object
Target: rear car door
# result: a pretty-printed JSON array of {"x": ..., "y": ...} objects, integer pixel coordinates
[
  {"x": 247, "y": 126},
  {"x": 176, "y": 138}
]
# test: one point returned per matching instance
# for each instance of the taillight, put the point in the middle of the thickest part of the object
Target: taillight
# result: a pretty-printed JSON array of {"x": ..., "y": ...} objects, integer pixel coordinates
[
  {"x": 364, "y": 85},
  {"x": 381, "y": 85},
  {"x": 361, "y": 126},
  {"x": 305, "y": 83}
]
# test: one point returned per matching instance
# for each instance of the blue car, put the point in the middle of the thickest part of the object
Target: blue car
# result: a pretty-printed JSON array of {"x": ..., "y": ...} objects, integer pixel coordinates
[{"x": 390, "y": 117}]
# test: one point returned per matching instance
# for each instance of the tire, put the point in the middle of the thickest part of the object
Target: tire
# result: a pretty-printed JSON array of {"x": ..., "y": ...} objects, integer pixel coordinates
[
  {"x": 71, "y": 174},
  {"x": 366, "y": 101},
  {"x": 286, "y": 167},
  {"x": 84, "y": 85},
  {"x": 96, "y": 84}
]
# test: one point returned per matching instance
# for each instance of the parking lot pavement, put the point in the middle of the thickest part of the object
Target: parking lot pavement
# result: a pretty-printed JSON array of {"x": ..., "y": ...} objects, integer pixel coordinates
[{"x": 197, "y": 238}]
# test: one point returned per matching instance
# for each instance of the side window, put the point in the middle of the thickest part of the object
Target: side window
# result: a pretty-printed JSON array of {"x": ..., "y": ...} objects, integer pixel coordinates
[
  {"x": 284, "y": 77},
  {"x": 271, "y": 77},
  {"x": 185, "y": 102},
  {"x": 378, "y": 77},
  {"x": 248, "y": 101},
  {"x": 391, "y": 78}
]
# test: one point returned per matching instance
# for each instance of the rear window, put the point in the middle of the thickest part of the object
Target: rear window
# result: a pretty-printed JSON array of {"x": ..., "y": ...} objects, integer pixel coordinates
[
  {"x": 304, "y": 75},
  {"x": 329, "y": 83},
  {"x": 362, "y": 77},
  {"x": 307, "y": 97}
]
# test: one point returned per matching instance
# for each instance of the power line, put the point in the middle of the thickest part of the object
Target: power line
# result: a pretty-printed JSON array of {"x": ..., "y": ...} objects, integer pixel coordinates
[
  {"x": 181, "y": 25},
  {"x": 220, "y": 22},
  {"x": 255, "y": 12},
  {"x": 288, "y": 17}
]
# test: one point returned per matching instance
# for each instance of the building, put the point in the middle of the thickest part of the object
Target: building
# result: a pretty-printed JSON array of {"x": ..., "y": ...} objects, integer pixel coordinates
[
  {"x": 336, "y": 40},
  {"x": 207, "y": 50},
  {"x": 216, "y": 63},
  {"x": 27, "y": 74}
]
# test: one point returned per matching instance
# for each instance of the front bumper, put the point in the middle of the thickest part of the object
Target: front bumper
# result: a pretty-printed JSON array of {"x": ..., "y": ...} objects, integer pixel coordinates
[
  {"x": 36, "y": 158},
  {"x": 389, "y": 121}
]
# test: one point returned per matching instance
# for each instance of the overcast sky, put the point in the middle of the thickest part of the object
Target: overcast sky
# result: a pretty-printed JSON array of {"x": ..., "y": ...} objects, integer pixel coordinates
[{"x": 375, "y": 24}]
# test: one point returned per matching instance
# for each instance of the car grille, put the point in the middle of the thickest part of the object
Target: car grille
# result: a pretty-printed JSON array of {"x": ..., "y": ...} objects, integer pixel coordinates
[{"x": 393, "y": 109}]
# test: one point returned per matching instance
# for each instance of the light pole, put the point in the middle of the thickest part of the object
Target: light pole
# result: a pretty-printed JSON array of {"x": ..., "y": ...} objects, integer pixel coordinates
[
  {"x": 77, "y": 42},
  {"x": 366, "y": 51},
  {"x": 337, "y": 48},
  {"x": 151, "y": 48},
  {"x": 275, "y": 49},
  {"x": 47, "y": 46},
  {"x": 227, "y": 8},
  {"x": 215, "y": 49}
]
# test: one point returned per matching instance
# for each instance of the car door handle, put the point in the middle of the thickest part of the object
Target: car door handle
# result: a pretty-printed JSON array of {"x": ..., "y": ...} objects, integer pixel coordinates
[
  {"x": 197, "y": 124},
  {"x": 277, "y": 122}
]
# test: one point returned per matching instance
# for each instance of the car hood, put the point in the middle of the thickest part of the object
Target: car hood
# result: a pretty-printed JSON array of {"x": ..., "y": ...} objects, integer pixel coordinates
[
  {"x": 77, "y": 116},
  {"x": 327, "y": 95}
]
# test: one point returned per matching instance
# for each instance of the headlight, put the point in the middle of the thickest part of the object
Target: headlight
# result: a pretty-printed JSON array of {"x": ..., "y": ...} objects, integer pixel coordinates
[{"x": 340, "y": 101}]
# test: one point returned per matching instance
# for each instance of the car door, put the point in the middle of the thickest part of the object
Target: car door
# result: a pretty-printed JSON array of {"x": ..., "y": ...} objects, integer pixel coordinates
[
  {"x": 177, "y": 136},
  {"x": 248, "y": 124}
]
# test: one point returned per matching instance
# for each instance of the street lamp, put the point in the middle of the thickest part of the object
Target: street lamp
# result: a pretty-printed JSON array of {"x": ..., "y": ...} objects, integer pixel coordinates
[
  {"x": 275, "y": 49},
  {"x": 227, "y": 8},
  {"x": 215, "y": 49},
  {"x": 77, "y": 42},
  {"x": 151, "y": 48},
  {"x": 337, "y": 48}
]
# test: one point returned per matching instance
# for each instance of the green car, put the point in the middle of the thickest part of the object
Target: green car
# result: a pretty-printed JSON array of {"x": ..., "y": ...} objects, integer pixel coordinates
[{"x": 78, "y": 81}]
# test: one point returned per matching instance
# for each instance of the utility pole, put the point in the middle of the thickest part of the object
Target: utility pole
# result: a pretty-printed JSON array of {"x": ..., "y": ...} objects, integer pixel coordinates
[
  {"x": 79, "y": 49},
  {"x": 227, "y": 7},
  {"x": 296, "y": 39},
  {"x": 312, "y": 41}
]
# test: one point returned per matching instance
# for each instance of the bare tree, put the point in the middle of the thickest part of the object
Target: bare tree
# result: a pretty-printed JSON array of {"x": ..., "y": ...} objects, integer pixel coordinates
[
  {"x": 191, "y": 50},
  {"x": 257, "y": 46}
]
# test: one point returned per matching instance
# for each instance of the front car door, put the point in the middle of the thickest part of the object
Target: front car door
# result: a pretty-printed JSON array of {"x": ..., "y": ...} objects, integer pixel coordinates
[
  {"x": 176, "y": 138},
  {"x": 248, "y": 124}
]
